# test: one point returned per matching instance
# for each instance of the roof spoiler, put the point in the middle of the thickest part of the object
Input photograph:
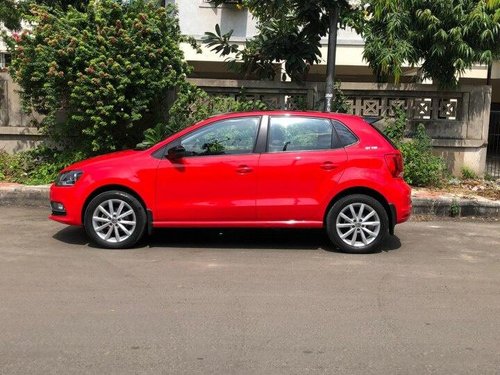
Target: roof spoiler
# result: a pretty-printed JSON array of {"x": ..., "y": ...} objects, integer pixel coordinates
[{"x": 371, "y": 119}]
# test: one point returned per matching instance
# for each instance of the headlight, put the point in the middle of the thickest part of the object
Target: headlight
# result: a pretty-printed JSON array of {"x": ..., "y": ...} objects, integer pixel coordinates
[{"x": 68, "y": 178}]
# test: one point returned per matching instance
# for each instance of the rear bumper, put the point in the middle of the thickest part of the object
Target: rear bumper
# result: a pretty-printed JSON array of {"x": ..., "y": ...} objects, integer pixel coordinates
[
  {"x": 404, "y": 215},
  {"x": 401, "y": 201}
]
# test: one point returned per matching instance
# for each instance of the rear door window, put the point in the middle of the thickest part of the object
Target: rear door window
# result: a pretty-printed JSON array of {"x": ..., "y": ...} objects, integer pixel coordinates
[{"x": 299, "y": 134}]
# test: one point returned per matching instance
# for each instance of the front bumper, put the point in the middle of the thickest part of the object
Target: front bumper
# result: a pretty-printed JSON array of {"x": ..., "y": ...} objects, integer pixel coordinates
[{"x": 67, "y": 203}]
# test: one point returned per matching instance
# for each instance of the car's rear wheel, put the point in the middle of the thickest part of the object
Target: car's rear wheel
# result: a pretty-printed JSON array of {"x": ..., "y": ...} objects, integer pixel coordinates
[
  {"x": 357, "y": 224},
  {"x": 115, "y": 219}
]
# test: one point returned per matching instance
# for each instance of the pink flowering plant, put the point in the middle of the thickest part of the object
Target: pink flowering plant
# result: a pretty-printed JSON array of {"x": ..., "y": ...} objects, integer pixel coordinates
[{"x": 98, "y": 77}]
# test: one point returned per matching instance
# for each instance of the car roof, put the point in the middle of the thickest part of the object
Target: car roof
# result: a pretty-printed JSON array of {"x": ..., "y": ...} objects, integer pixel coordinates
[{"x": 333, "y": 115}]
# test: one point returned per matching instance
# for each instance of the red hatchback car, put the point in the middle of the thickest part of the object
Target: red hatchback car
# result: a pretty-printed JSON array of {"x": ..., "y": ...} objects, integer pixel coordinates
[{"x": 273, "y": 169}]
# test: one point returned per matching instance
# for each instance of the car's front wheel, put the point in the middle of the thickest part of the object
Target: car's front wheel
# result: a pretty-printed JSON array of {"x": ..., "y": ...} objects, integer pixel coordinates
[
  {"x": 115, "y": 219},
  {"x": 357, "y": 224}
]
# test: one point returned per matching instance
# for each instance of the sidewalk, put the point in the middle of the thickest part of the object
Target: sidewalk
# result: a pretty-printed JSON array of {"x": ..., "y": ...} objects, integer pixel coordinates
[
  {"x": 425, "y": 201},
  {"x": 429, "y": 202}
]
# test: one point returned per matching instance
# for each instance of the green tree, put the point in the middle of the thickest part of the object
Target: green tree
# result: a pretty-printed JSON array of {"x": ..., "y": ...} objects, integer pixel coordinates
[
  {"x": 278, "y": 40},
  {"x": 99, "y": 77},
  {"x": 9, "y": 14},
  {"x": 442, "y": 37},
  {"x": 12, "y": 12},
  {"x": 289, "y": 31}
]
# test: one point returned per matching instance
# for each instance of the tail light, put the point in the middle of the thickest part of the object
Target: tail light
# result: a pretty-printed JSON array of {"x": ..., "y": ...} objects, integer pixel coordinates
[{"x": 395, "y": 164}]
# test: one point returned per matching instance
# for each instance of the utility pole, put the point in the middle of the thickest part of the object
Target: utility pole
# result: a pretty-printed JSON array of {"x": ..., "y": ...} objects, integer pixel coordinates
[{"x": 330, "y": 61}]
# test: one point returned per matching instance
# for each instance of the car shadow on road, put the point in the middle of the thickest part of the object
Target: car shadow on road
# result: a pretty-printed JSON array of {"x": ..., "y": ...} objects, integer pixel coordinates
[
  {"x": 390, "y": 243},
  {"x": 72, "y": 235},
  {"x": 285, "y": 239},
  {"x": 239, "y": 238}
]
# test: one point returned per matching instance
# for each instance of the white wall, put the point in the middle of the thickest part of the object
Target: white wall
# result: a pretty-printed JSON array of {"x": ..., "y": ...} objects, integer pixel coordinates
[{"x": 196, "y": 17}]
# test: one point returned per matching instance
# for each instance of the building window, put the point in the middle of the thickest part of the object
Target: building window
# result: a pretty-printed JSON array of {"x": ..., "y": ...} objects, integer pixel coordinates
[
  {"x": 5, "y": 59},
  {"x": 227, "y": 3}
]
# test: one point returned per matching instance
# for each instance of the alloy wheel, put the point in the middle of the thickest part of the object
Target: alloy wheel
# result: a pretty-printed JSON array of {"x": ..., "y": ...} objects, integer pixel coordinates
[
  {"x": 358, "y": 224},
  {"x": 114, "y": 220}
]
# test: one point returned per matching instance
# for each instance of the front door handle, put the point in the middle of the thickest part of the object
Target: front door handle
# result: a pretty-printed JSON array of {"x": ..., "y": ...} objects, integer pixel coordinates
[
  {"x": 328, "y": 166},
  {"x": 244, "y": 169}
]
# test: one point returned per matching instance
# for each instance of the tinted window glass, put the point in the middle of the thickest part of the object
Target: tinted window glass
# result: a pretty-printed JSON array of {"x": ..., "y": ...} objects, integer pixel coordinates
[
  {"x": 232, "y": 136},
  {"x": 299, "y": 133},
  {"x": 346, "y": 136}
]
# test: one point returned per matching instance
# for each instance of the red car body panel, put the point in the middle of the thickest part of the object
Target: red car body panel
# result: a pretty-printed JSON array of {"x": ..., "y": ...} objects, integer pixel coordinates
[
  {"x": 294, "y": 185},
  {"x": 281, "y": 189},
  {"x": 202, "y": 195}
]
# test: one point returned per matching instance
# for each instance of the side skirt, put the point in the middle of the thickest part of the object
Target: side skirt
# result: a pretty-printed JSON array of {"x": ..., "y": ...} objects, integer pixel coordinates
[{"x": 238, "y": 224}]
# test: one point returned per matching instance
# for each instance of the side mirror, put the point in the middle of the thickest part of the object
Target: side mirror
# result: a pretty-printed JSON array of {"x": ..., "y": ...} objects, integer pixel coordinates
[{"x": 176, "y": 152}]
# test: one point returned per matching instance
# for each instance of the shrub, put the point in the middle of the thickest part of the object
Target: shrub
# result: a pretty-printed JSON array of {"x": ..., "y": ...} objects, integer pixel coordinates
[
  {"x": 10, "y": 167},
  {"x": 38, "y": 166},
  {"x": 98, "y": 76},
  {"x": 468, "y": 173},
  {"x": 422, "y": 168},
  {"x": 454, "y": 208},
  {"x": 489, "y": 177},
  {"x": 192, "y": 105},
  {"x": 395, "y": 128}
]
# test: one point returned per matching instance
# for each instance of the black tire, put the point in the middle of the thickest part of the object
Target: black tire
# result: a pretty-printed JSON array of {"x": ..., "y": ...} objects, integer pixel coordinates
[
  {"x": 128, "y": 234},
  {"x": 363, "y": 238}
]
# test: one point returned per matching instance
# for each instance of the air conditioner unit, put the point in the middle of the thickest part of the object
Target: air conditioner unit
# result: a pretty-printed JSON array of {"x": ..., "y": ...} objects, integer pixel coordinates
[{"x": 227, "y": 1}]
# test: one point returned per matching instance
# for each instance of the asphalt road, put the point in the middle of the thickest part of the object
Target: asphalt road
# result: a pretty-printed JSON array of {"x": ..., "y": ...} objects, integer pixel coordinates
[{"x": 248, "y": 302}]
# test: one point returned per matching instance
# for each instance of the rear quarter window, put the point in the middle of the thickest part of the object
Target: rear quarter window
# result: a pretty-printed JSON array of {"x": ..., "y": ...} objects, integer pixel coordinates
[{"x": 345, "y": 135}]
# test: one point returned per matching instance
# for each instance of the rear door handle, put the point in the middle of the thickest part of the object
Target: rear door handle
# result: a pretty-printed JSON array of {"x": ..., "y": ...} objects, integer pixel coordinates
[
  {"x": 244, "y": 169},
  {"x": 328, "y": 166}
]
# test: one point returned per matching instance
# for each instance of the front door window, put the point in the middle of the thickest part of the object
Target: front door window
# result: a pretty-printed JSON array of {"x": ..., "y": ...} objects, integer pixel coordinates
[{"x": 226, "y": 137}]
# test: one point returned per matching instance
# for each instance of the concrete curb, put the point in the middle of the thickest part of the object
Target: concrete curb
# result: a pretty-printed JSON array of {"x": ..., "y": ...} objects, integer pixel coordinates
[
  {"x": 25, "y": 196},
  {"x": 456, "y": 207},
  {"x": 441, "y": 206}
]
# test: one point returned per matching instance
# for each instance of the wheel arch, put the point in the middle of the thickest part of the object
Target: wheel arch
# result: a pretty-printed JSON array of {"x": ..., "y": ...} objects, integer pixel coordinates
[
  {"x": 391, "y": 214},
  {"x": 105, "y": 188}
]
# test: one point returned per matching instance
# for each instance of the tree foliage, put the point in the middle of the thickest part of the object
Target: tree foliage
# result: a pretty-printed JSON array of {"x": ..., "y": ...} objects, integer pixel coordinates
[
  {"x": 96, "y": 75},
  {"x": 12, "y": 12},
  {"x": 443, "y": 37},
  {"x": 288, "y": 30},
  {"x": 9, "y": 14}
]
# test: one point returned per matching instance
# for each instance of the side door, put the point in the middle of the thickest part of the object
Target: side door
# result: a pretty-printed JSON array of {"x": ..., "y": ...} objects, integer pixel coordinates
[
  {"x": 297, "y": 173},
  {"x": 213, "y": 177}
]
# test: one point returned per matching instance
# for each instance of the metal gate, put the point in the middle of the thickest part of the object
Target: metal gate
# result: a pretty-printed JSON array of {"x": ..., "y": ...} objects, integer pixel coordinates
[{"x": 493, "y": 152}]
